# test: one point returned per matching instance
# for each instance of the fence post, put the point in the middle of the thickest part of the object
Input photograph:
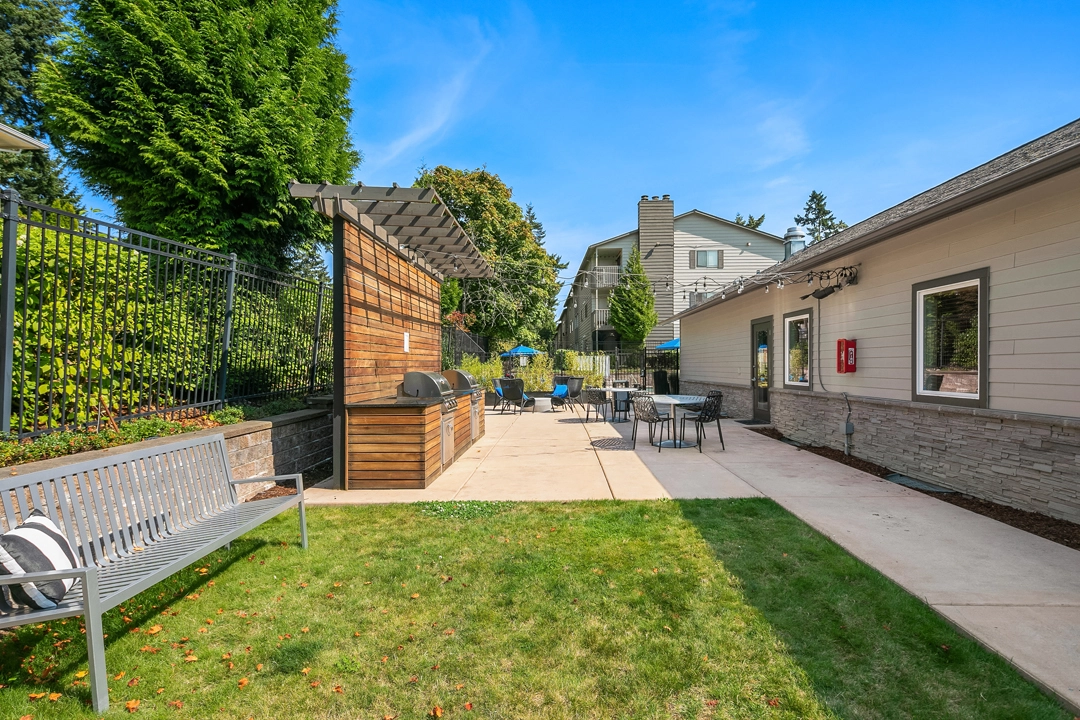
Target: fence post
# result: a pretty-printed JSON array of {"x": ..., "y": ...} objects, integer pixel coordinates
[
  {"x": 10, "y": 214},
  {"x": 226, "y": 339},
  {"x": 315, "y": 345}
]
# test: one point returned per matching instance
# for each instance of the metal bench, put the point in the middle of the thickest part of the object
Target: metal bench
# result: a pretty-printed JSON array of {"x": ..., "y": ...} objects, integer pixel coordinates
[{"x": 133, "y": 520}]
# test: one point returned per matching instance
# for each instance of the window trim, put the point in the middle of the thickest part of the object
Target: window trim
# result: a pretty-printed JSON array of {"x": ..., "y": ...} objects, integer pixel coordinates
[
  {"x": 981, "y": 279},
  {"x": 807, "y": 313},
  {"x": 719, "y": 259}
]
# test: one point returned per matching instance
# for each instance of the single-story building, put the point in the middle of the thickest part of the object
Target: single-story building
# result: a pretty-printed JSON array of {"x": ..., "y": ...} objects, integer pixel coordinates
[{"x": 939, "y": 338}]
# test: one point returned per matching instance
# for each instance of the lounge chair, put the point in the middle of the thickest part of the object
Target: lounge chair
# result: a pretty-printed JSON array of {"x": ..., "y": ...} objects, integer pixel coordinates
[{"x": 514, "y": 395}]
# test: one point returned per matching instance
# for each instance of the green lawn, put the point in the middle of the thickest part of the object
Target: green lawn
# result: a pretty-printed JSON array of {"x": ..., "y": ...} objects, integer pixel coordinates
[{"x": 725, "y": 609}]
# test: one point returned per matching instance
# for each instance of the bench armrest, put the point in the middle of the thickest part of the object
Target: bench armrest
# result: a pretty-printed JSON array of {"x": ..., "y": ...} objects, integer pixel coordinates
[
  {"x": 269, "y": 478},
  {"x": 47, "y": 576}
]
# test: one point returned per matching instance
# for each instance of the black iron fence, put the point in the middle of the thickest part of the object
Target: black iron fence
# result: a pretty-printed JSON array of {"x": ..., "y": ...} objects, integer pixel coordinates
[
  {"x": 458, "y": 343},
  {"x": 100, "y": 323}
]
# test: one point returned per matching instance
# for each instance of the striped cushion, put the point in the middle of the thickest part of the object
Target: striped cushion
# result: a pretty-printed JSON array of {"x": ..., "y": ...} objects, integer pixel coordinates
[{"x": 37, "y": 545}]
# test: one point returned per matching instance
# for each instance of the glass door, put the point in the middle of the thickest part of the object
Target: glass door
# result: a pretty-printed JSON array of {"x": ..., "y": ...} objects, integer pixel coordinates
[{"x": 760, "y": 353}]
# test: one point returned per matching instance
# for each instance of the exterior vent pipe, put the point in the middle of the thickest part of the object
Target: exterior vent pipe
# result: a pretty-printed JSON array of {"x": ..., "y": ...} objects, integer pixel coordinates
[{"x": 794, "y": 241}]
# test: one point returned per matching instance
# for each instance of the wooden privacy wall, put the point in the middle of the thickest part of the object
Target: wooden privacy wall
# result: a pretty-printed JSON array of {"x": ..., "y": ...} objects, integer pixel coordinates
[{"x": 385, "y": 296}]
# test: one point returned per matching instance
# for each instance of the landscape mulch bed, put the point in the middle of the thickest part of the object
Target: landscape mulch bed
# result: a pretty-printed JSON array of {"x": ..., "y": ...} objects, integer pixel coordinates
[
  {"x": 1060, "y": 531},
  {"x": 288, "y": 487}
]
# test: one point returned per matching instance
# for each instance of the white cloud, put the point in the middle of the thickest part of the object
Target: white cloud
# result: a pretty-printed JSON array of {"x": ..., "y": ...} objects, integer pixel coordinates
[{"x": 781, "y": 135}]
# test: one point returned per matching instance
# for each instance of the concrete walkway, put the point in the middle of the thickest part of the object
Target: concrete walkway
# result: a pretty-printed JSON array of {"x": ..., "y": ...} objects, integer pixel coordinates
[{"x": 1014, "y": 592}]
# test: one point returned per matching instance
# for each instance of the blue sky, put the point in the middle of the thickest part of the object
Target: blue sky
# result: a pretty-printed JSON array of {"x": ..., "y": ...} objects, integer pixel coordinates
[{"x": 727, "y": 106}]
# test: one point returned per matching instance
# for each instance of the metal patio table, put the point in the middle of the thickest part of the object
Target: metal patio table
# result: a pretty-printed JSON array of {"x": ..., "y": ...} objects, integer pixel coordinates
[{"x": 673, "y": 401}]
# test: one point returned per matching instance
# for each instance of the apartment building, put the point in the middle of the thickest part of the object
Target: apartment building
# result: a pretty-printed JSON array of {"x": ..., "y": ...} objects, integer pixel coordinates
[{"x": 687, "y": 258}]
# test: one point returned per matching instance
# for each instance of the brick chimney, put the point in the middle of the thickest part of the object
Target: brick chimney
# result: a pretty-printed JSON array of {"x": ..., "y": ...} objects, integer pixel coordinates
[{"x": 656, "y": 242}]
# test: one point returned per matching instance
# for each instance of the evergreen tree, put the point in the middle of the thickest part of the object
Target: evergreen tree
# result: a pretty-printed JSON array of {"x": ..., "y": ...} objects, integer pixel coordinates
[
  {"x": 27, "y": 31},
  {"x": 751, "y": 222},
  {"x": 518, "y": 304},
  {"x": 632, "y": 303},
  {"x": 817, "y": 219},
  {"x": 195, "y": 114}
]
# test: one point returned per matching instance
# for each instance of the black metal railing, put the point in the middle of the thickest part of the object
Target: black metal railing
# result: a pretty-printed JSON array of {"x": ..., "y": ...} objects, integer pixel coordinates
[
  {"x": 100, "y": 323},
  {"x": 458, "y": 343}
]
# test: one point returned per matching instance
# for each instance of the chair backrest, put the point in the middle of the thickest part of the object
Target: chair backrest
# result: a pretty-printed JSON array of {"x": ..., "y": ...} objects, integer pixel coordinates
[
  {"x": 645, "y": 408},
  {"x": 710, "y": 410},
  {"x": 559, "y": 380},
  {"x": 513, "y": 390},
  {"x": 593, "y": 396},
  {"x": 109, "y": 506},
  {"x": 573, "y": 386},
  {"x": 496, "y": 384}
]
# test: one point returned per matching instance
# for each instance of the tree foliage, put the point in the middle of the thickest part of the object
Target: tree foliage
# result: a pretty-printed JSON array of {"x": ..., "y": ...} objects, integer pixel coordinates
[
  {"x": 817, "y": 219},
  {"x": 751, "y": 222},
  {"x": 632, "y": 303},
  {"x": 518, "y": 304},
  {"x": 194, "y": 115},
  {"x": 27, "y": 31}
]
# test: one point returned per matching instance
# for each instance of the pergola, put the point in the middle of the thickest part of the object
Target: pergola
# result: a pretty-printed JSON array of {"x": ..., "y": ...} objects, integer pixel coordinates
[{"x": 415, "y": 221}]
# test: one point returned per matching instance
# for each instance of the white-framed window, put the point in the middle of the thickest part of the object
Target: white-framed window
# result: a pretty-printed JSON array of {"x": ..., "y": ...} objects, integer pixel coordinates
[
  {"x": 696, "y": 298},
  {"x": 707, "y": 259},
  {"x": 949, "y": 343},
  {"x": 797, "y": 349}
]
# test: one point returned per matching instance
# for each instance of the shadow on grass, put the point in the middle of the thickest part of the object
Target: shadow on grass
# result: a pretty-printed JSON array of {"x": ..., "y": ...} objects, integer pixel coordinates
[
  {"x": 870, "y": 649},
  {"x": 37, "y": 640}
]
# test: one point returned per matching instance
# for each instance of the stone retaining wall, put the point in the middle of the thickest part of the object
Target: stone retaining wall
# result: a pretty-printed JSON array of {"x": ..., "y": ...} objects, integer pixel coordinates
[
  {"x": 738, "y": 400},
  {"x": 1023, "y": 460},
  {"x": 279, "y": 445}
]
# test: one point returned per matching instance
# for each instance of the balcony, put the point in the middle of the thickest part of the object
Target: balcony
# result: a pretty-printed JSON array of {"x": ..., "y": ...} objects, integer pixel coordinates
[
  {"x": 606, "y": 277},
  {"x": 603, "y": 319}
]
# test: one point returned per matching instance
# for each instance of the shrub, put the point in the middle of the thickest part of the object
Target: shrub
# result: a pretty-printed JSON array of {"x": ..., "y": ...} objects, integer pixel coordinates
[
  {"x": 537, "y": 374},
  {"x": 483, "y": 372}
]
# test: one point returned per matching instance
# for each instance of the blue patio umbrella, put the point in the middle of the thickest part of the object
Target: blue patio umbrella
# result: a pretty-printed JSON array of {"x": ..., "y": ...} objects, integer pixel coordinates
[
  {"x": 669, "y": 345},
  {"x": 521, "y": 350}
]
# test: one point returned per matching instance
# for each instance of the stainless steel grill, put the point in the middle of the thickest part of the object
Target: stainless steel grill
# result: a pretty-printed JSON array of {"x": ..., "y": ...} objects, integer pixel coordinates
[
  {"x": 465, "y": 384},
  {"x": 420, "y": 384}
]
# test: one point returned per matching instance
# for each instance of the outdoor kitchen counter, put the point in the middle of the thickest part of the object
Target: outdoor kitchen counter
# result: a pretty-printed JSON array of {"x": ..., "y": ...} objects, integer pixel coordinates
[{"x": 393, "y": 442}]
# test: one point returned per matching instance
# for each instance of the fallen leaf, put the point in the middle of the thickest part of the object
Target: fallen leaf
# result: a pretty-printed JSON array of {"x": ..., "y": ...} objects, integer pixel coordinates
[
  {"x": 242, "y": 682},
  {"x": 337, "y": 584},
  {"x": 436, "y": 712},
  {"x": 356, "y": 634},
  {"x": 303, "y": 584},
  {"x": 449, "y": 631},
  {"x": 136, "y": 548},
  {"x": 712, "y": 703},
  {"x": 388, "y": 717},
  {"x": 667, "y": 628},
  {"x": 258, "y": 667},
  {"x": 154, "y": 630},
  {"x": 132, "y": 705},
  {"x": 133, "y": 682},
  {"x": 176, "y": 704},
  {"x": 81, "y": 674},
  {"x": 303, "y": 630},
  {"x": 160, "y": 690},
  {"x": 35, "y": 696},
  {"x": 946, "y": 648},
  {"x": 226, "y": 656},
  {"x": 339, "y": 690},
  {"x": 26, "y": 717},
  {"x": 53, "y": 697},
  {"x": 385, "y": 658},
  {"x": 305, "y": 671},
  {"x": 435, "y": 666},
  {"x": 415, "y": 595},
  {"x": 316, "y": 684},
  {"x": 202, "y": 630},
  {"x": 209, "y": 621},
  {"x": 148, "y": 649},
  {"x": 774, "y": 702},
  {"x": 330, "y": 596},
  {"x": 468, "y": 705},
  {"x": 191, "y": 658},
  {"x": 414, "y": 679},
  {"x": 193, "y": 596},
  {"x": 459, "y": 686}
]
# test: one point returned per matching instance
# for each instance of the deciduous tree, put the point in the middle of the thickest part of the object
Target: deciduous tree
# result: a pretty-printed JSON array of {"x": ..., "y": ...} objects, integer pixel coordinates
[
  {"x": 518, "y": 304},
  {"x": 632, "y": 303},
  {"x": 194, "y": 115}
]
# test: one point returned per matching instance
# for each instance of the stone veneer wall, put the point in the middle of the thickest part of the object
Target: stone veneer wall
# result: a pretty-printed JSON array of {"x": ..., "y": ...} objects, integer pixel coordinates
[
  {"x": 738, "y": 400},
  {"x": 279, "y": 445},
  {"x": 1024, "y": 460}
]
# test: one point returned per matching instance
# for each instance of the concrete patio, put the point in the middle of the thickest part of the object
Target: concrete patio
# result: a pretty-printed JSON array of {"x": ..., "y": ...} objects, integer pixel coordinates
[{"x": 1016, "y": 593}]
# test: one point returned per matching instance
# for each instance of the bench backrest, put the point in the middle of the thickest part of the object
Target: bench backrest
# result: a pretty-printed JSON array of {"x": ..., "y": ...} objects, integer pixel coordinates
[{"x": 111, "y": 506}]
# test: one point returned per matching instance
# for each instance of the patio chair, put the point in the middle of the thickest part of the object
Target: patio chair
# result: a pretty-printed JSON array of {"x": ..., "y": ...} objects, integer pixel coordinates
[
  {"x": 496, "y": 383},
  {"x": 514, "y": 396},
  {"x": 573, "y": 389},
  {"x": 710, "y": 412},
  {"x": 645, "y": 411},
  {"x": 597, "y": 400},
  {"x": 624, "y": 404},
  {"x": 696, "y": 407},
  {"x": 559, "y": 396}
]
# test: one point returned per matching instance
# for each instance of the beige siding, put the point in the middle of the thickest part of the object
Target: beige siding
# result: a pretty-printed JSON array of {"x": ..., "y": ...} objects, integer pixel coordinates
[{"x": 1030, "y": 240}]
